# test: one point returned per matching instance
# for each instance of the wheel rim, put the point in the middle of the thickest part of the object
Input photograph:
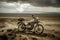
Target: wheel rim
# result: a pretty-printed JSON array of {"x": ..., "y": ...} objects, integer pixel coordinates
[
  {"x": 38, "y": 29},
  {"x": 20, "y": 28}
]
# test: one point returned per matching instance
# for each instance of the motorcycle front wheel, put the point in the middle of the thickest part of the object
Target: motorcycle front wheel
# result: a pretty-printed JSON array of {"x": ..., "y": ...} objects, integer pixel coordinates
[{"x": 38, "y": 29}]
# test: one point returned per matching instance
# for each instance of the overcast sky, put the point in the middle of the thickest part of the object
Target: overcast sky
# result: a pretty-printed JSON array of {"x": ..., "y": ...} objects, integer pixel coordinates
[{"x": 17, "y": 7}]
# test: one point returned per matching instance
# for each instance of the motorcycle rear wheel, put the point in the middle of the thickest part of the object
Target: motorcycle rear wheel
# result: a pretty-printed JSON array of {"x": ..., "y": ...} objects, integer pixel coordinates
[{"x": 21, "y": 27}]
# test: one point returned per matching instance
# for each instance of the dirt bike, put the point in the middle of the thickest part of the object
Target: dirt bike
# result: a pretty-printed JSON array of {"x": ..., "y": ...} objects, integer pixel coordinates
[{"x": 35, "y": 26}]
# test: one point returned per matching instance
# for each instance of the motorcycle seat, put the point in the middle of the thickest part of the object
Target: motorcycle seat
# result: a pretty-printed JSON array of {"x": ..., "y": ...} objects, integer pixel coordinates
[{"x": 21, "y": 19}]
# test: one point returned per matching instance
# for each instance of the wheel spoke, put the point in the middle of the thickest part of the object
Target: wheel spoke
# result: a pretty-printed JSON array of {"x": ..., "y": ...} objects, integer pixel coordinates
[
  {"x": 38, "y": 29},
  {"x": 21, "y": 27}
]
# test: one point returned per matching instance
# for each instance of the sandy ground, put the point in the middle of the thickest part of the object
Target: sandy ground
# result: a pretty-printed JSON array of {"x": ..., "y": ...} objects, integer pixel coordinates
[{"x": 51, "y": 26}]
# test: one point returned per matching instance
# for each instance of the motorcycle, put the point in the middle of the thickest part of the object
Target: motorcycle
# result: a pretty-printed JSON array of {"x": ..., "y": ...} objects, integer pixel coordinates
[{"x": 35, "y": 26}]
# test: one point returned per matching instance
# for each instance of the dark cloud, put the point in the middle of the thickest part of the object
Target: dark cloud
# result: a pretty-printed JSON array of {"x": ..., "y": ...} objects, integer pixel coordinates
[
  {"x": 12, "y": 0},
  {"x": 39, "y": 2},
  {"x": 55, "y": 3}
]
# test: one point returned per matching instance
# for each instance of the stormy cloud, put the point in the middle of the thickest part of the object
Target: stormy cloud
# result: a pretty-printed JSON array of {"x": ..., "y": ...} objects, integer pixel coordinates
[
  {"x": 55, "y": 3},
  {"x": 17, "y": 7},
  {"x": 29, "y": 6}
]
